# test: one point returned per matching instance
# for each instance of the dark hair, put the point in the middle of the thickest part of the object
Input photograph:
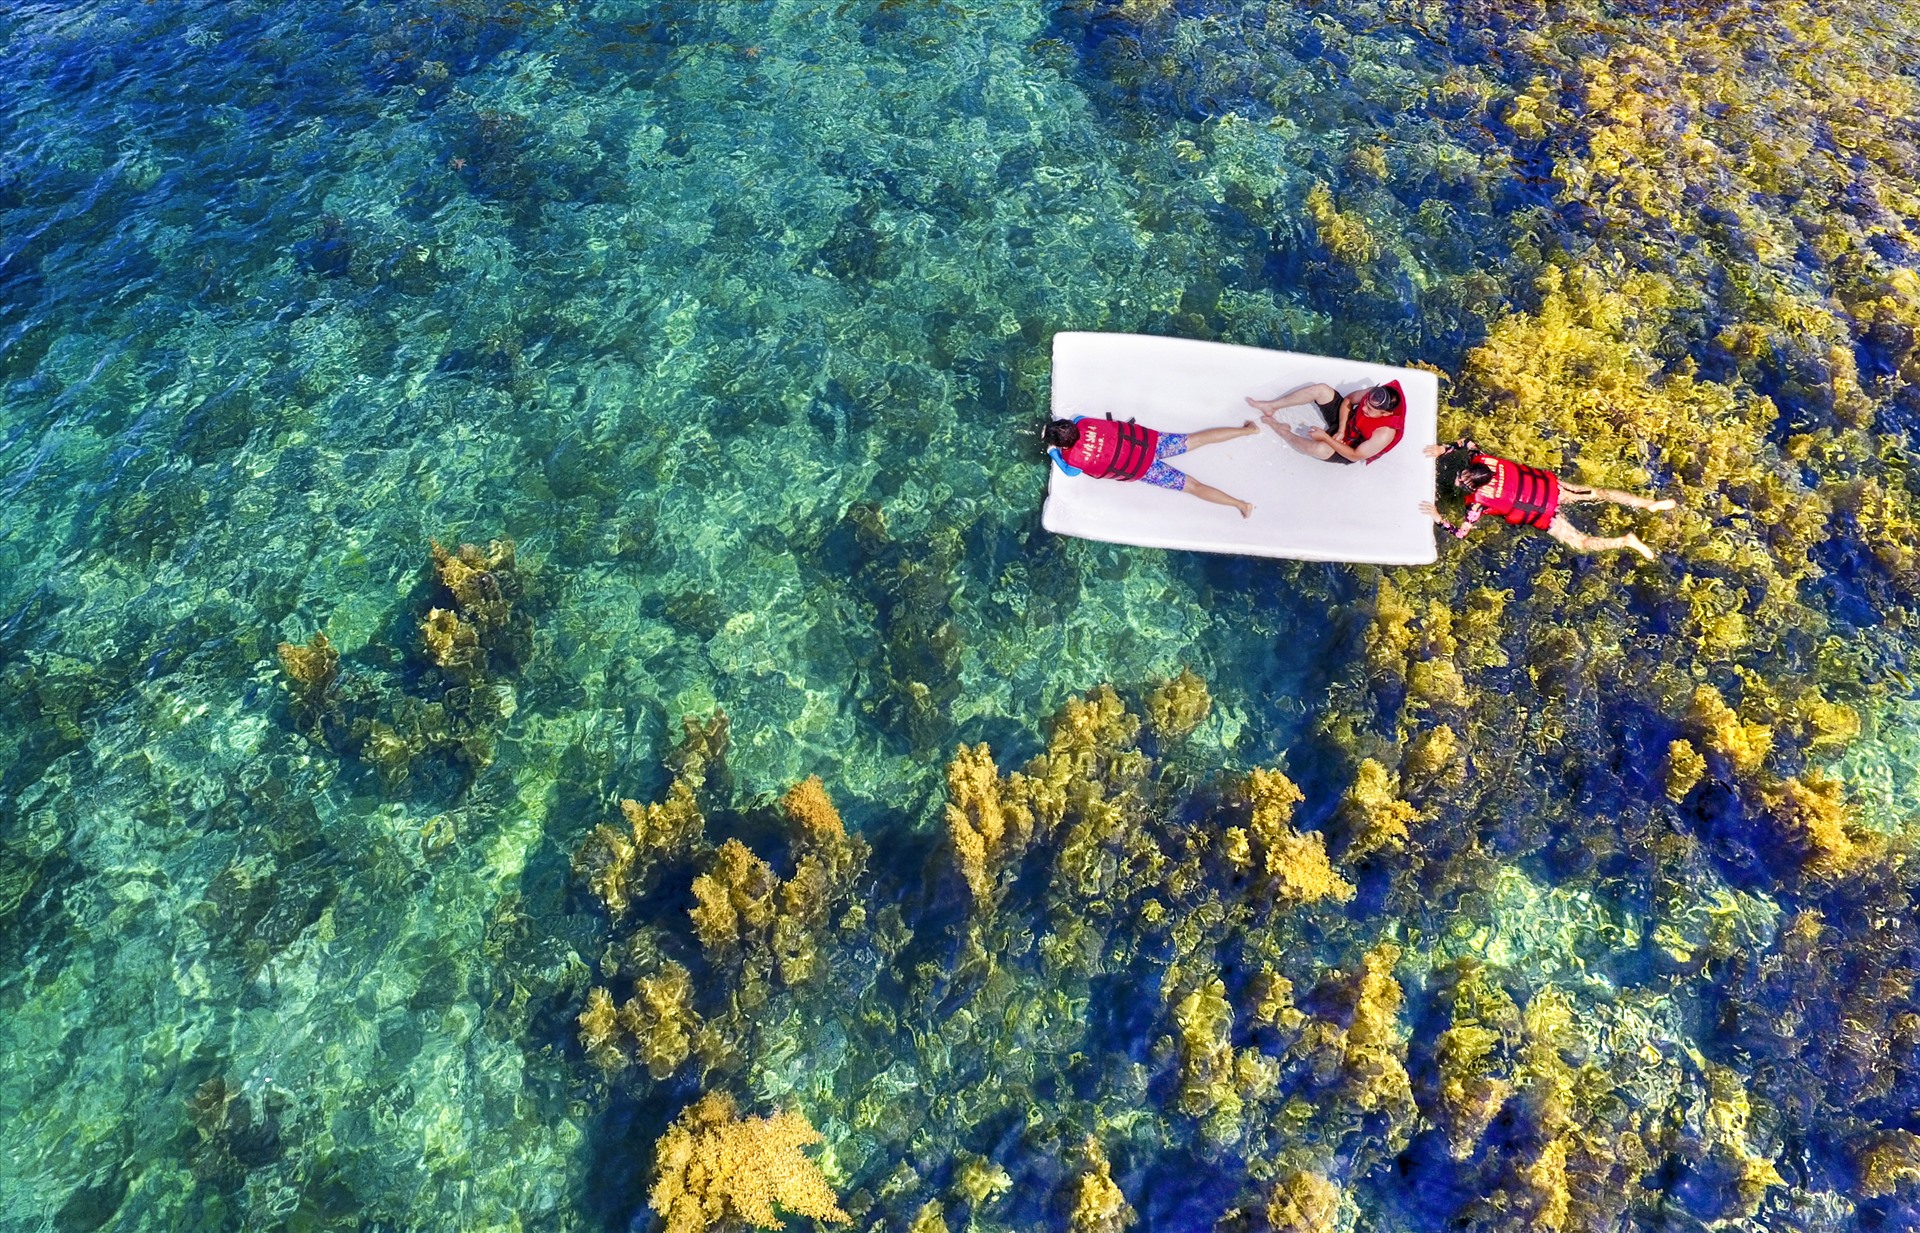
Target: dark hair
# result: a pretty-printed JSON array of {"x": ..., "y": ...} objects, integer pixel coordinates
[
  {"x": 1062, "y": 433},
  {"x": 1473, "y": 475},
  {"x": 1383, "y": 398}
]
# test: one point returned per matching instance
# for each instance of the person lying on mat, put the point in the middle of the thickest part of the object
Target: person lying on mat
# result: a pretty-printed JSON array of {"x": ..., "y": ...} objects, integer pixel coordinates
[
  {"x": 1523, "y": 495},
  {"x": 1110, "y": 449},
  {"x": 1359, "y": 427}
]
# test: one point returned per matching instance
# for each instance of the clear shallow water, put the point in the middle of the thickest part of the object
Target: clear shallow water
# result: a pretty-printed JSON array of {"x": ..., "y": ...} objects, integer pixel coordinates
[{"x": 735, "y": 320}]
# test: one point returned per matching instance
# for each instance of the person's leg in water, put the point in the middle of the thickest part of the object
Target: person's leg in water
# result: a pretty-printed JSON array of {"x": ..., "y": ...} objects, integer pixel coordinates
[
  {"x": 1574, "y": 493},
  {"x": 1580, "y": 541},
  {"x": 1160, "y": 475}
]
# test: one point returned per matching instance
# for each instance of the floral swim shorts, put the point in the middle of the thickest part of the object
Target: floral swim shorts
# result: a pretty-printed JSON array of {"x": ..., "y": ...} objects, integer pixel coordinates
[{"x": 1160, "y": 475}]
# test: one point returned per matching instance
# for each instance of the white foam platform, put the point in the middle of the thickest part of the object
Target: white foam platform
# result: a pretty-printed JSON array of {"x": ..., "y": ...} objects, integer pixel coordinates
[{"x": 1304, "y": 508}]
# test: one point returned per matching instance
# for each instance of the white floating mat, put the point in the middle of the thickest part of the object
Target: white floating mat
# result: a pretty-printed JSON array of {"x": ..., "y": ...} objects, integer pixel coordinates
[{"x": 1303, "y": 508}]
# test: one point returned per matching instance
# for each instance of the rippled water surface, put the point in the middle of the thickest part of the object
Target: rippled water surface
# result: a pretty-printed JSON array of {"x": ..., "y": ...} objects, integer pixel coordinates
[{"x": 1526, "y": 891}]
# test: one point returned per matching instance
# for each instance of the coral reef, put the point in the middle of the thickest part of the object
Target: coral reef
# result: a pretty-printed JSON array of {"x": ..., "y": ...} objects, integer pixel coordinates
[
  {"x": 1372, "y": 815},
  {"x": 1178, "y": 706},
  {"x": 989, "y": 822},
  {"x": 1098, "y": 1205},
  {"x": 1293, "y": 867},
  {"x": 1304, "y": 1202},
  {"x": 451, "y": 711},
  {"x": 713, "y": 1166},
  {"x": 480, "y": 591}
]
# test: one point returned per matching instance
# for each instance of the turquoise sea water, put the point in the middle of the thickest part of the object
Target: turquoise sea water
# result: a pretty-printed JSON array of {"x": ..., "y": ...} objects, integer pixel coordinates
[{"x": 734, "y": 319}]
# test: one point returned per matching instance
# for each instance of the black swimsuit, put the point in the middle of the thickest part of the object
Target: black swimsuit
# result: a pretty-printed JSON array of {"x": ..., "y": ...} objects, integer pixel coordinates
[{"x": 1330, "y": 412}]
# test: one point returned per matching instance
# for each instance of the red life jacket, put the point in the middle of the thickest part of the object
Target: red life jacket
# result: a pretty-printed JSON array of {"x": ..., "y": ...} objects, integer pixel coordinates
[
  {"x": 1363, "y": 423},
  {"x": 1521, "y": 494},
  {"x": 1110, "y": 449}
]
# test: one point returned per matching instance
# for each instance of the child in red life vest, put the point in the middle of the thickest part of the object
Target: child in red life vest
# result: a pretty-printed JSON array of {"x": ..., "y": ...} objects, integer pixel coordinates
[
  {"x": 1111, "y": 449},
  {"x": 1524, "y": 496},
  {"x": 1360, "y": 427}
]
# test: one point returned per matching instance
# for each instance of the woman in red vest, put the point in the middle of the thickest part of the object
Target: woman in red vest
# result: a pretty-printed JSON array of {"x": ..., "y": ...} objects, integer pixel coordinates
[
  {"x": 1524, "y": 496},
  {"x": 1123, "y": 450},
  {"x": 1360, "y": 427}
]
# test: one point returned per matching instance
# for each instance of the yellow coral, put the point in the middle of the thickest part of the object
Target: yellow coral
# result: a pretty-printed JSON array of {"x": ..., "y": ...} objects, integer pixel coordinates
[
  {"x": 1725, "y": 1122},
  {"x": 810, "y": 810},
  {"x": 929, "y": 1219},
  {"x": 1375, "y": 1061},
  {"x": 1829, "y": 725},
  {"x": 987, "y": 821},
  {"x": 712, "y": 1166},
  {"x": 1390, "y": 634},
  {"x": 1887, "y": 1162},
  {"x": 1372, "y": 814},
  {"x": 1303, "y": 1202},
  {"x": 600, "y": 1031},
  {"x": 1204, "y": 1019},
  {"x": 980, "y": 1181},
  {"x": 1179, "y": 706},
  {"x": 1813, "y": 814},
  {"x": 1272, "y": 1002},
  {"x": 1098, "y": 1204},
  {"x": 1745, "y": 745},
  {"x": 1295, "y": 865},
  {"x": 1344, "y": 233},
  {"x": 1481, "y": 625},
  {"x": 1433, "y": 755},
  {"x": 1685, "y": 766}
]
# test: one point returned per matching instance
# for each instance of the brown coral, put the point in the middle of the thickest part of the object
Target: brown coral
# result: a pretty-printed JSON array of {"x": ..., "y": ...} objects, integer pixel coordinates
[
  {"x": 619, "y": 864},
  {"x": 735, "y": 899},
  {"x": 661, "y": 1019},
  {"x": 712, "y": 1166},
  {"x": 451, "y": 643},
  {"x": 481, "y": 587},
  {"x": 312, "y": 668}
]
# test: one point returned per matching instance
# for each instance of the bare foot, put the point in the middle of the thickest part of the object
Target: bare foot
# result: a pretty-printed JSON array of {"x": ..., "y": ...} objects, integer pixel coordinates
[
  {"x": 1267, "y": 407},
  {"x": 1246, "y": 510},
  {"x": 1248, "y": 426},
  {"x": 1663, "y": 505},
  {"x": 1633, "y": 542}
]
